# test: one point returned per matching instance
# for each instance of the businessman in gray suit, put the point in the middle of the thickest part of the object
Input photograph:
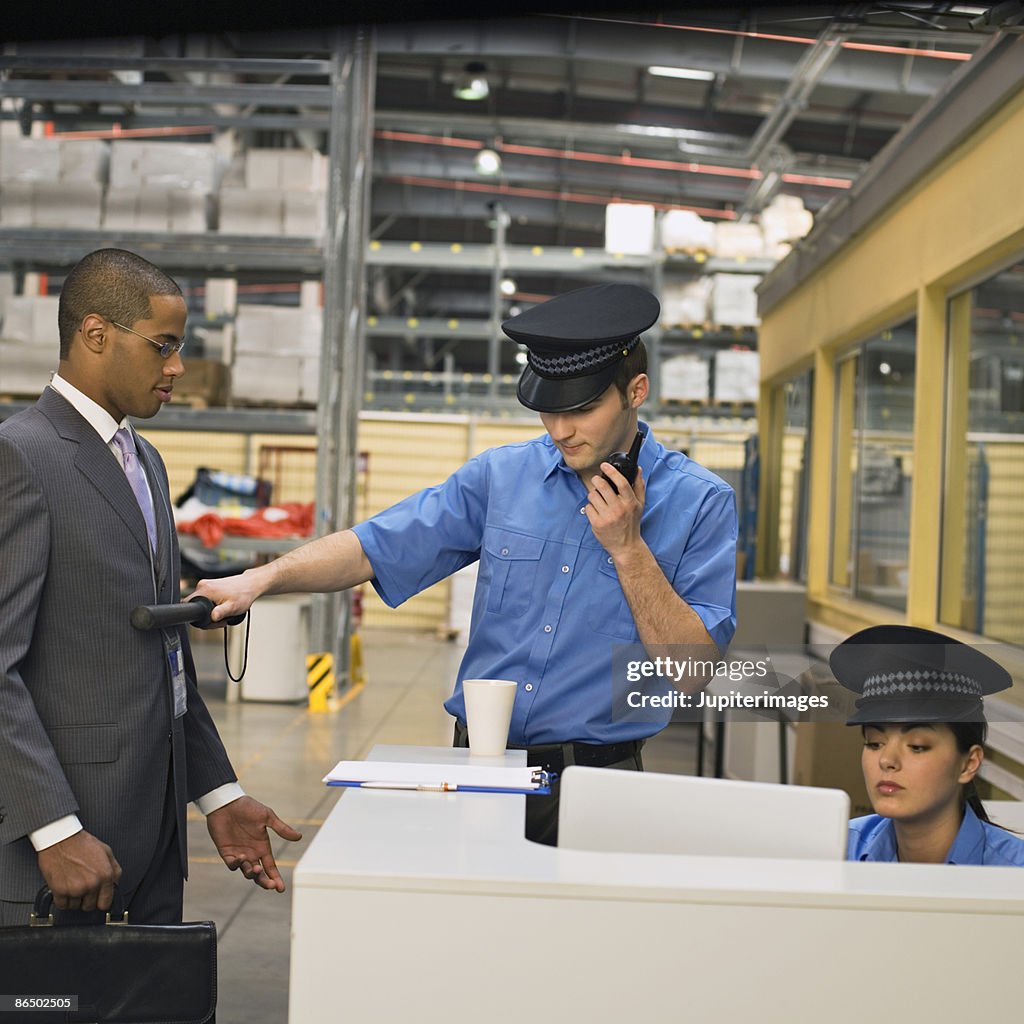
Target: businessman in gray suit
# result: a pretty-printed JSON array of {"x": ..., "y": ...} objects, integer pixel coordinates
[{"x": 104, "y": 738}]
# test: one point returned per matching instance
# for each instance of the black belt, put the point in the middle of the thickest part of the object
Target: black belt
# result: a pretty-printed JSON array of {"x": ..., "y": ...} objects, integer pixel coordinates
[{"x": 555, "y": 757}]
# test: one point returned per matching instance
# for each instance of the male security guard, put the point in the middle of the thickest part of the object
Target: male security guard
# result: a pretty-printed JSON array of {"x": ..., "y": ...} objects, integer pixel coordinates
[{"x": 571, "y": 562}]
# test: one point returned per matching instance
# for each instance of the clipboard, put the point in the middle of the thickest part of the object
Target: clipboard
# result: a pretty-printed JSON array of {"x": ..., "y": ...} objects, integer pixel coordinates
[{"x": 440, "y": 778}]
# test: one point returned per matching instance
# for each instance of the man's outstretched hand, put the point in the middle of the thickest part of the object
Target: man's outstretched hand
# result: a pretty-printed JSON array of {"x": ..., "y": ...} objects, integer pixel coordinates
[{"x": 239, "y": 830}]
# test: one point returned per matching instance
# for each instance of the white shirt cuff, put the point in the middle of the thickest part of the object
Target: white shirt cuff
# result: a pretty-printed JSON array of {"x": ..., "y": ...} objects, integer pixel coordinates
[
  {"x": 217, "y": 798},
  {"x": 54, "y": 833}
]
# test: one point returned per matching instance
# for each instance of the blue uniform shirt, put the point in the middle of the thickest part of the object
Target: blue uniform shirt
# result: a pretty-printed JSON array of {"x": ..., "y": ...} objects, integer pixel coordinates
[
  {"x": 548, "y": 604},
  {"x": 874, "y": 838}
]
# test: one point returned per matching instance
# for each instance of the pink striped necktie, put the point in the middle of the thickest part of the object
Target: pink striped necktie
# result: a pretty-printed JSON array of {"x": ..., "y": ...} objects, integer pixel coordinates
[{"x": 125, "y": 441}]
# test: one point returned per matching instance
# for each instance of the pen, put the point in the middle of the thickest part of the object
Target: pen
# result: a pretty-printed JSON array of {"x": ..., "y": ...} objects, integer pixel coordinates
[{"x": 419, "y": 787}]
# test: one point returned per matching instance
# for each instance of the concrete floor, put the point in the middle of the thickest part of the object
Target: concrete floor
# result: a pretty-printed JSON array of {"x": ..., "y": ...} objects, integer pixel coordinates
[{"x": 281, "y": 752}]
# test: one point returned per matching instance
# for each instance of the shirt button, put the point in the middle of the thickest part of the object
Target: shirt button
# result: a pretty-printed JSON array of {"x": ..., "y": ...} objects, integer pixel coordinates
[
  {"x": 565, "y": 568},
  {"x": 528, "y": 687},
  {"x": 583, "y": 511},
  {"x": 609, "y": 559},
  {"x": 504, "y": 551},
  {"x": 547, "y": 629}
]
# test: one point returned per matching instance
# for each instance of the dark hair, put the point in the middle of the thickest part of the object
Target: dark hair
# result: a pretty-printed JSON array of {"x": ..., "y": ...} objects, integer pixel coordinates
[
  {"x": 635, "y": 363},
  {"x": 116, "y": 284},
  {"x": 967, "y": 735}
]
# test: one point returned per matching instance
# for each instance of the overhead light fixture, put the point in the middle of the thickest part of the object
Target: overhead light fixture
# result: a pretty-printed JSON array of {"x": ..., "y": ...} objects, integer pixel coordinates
[
  {"x": 472, "y": 83},
  {"x": 508, "y": 286},
  {"x": 487, "y": 162},
  {"x": 691, "y": 74}
]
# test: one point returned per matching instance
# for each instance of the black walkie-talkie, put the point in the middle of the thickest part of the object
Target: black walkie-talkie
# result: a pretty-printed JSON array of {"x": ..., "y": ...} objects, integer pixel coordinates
[{"x": 626, "y": 462}]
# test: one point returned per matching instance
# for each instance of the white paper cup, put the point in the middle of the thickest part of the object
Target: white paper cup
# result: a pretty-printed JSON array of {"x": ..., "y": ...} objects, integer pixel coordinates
[{"x": 488, "y": 714}]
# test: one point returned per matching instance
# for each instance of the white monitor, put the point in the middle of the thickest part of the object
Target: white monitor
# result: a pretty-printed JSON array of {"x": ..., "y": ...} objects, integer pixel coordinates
[{"x": 615, "y": 811}]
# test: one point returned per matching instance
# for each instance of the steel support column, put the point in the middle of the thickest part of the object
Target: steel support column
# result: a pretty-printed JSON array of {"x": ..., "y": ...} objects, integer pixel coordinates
[{"x": 342, "y": 354}]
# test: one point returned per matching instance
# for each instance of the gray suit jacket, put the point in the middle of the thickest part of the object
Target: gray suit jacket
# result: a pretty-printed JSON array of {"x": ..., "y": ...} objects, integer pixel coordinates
[{"x": 86, "y": 708}]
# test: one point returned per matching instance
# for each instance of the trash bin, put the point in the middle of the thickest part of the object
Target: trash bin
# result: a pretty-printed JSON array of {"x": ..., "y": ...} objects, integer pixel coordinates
[{"x": 278, "y": 644}]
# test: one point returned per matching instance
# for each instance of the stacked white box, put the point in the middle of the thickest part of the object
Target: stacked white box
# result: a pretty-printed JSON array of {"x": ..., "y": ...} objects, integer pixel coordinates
[
  {"x": 734, "y": 300},
  {"x": 84, "y": 160},
  {"x": 277, "y": 354},
  {"x": 686, "y": 304},
  {"x": 685, "y": 378},
  {"x": 262, "y": 378},
  {"x": 67, "y": 204},
  {"x": 29, "y": 160},
  {"x": 17, "y": 204},
  {"x": 737, "y": 376},
  {"x": 304, "y": 213},
  {"x": 629, "y": 229},
  {"x": 251, "y": 211},
  {"x": 31, "y": 319},
  {"x": 685, "y": 231},
  {"x": 187, "y": 212},
  {"x": 738, "y": 241},
  {"x": 177, "y": 165},
  {"x": 29, "y": 348},
  {"x": 290, "y": 170},
  {"x": 783, "y": 222}
]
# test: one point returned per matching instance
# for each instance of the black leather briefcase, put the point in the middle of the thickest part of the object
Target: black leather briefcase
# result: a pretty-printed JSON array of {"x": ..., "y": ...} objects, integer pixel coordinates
[{"x": 120, "y": 973}]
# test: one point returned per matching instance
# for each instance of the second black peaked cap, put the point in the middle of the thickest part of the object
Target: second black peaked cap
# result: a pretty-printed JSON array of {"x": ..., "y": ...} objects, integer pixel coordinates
[
  {"x": 908, "y": 674},
  {"x": 575, "y": 342}
]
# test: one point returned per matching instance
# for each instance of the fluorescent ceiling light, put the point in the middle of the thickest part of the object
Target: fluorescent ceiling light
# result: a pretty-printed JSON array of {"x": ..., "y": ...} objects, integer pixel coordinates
[
  {"x": 487, "y": 163},
  {"x": 472, "y": 83},
  {"x": 693, "y": 74}
]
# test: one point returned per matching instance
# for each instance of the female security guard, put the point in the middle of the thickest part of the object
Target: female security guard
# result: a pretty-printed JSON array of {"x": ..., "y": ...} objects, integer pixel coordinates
[{"x": 921, "y": 714}]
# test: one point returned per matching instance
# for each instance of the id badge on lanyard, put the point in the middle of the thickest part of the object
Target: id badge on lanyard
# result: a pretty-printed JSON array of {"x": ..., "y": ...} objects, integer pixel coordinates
[{"x": 176, "y": 666}]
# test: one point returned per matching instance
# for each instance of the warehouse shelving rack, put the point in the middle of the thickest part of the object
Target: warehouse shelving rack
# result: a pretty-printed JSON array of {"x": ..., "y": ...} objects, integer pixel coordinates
[{"x": 338, "y": 101}]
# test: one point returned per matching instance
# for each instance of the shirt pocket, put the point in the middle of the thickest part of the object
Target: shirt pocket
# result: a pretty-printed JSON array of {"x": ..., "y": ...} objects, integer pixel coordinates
[
  {"x": 608, "y": 610},
  {"x": 514, "y": 563}
]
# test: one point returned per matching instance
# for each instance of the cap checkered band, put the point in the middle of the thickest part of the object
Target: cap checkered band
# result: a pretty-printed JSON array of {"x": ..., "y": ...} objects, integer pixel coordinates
[
  {"x": 932, "y": 683},
  {"x": 575, "y": 364}
]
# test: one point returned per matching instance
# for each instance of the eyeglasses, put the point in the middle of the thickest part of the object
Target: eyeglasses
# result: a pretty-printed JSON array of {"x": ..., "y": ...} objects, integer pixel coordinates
[{"x": 165, "y": 348}]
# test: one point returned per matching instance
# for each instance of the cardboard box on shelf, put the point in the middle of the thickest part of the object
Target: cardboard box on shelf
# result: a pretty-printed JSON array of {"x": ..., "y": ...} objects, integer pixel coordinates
[
  {"x": 179, "y": 165},
  {"x": 734, "y": 300},
  {"x": 187, "y": 212},
  {"x": 629, "y": 229},
  {"x": 304, "y": 213},
  {"x": 251, "y": 211},
  {"x": 685, "y": 231},
  {"x": 29, "y": 160},
  {"x": 144, "y": 208},
  {"x": 738, "y": 241},
  {"x": 26, "y": 367},
  {"x": 303, "y": 170},
  {"x": 67, "y": 204},
  {"x": 30, "y": 320},
  {"x": 84, "y": 160},
  {"x": 685, "y": 378},
  {"x": 261, "y": 378},
  {"x": 737, "y": 376},
  {"x": 278, "y": 330},
  {"x": 206, "y": 382},
  {"x": 290, "y": 170},
  {"x": 686, "y": 304},
  {"x": 16, "y": 204}
]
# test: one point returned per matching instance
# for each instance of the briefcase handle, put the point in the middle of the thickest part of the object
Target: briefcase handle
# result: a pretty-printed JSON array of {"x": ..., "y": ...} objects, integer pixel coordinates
[{"x": 42, "y": 909}]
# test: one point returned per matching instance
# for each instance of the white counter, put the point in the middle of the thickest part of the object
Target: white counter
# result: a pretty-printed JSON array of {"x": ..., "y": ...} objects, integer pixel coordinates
[{"x": 430, "y": 906}]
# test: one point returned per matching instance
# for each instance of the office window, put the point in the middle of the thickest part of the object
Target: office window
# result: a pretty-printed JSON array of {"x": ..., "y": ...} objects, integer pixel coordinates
[
  {"x": 795, "y": 476},
  {"x": 982, "y": 559},
  {"x": 872, "y": 468}
]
